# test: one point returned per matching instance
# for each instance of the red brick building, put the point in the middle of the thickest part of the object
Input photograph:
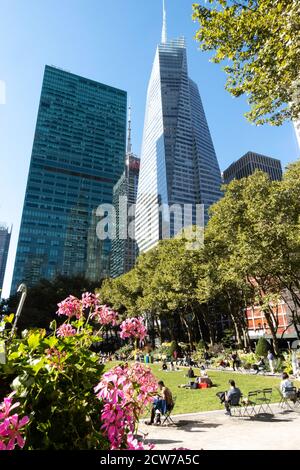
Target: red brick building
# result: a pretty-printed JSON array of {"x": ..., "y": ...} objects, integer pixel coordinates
[{"x": 257, "y": 325}]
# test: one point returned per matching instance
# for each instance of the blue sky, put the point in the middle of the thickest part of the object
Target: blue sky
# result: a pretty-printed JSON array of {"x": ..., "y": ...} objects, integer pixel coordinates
[{"x": 112, "y": 42}]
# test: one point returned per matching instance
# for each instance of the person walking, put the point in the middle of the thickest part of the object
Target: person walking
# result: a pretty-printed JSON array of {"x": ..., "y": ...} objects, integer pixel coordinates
[
  {"x": 235, "y": 361},
  {"x": 294, "y": 359},
  {"x": 271, "y": 360}
]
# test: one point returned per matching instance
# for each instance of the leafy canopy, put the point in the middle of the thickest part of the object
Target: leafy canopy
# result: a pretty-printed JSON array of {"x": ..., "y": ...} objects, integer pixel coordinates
[{"x": 259, "y": 41}]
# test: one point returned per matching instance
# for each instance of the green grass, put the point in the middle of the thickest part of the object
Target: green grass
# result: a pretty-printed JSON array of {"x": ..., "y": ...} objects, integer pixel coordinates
[{"x": 192, "y": 401}]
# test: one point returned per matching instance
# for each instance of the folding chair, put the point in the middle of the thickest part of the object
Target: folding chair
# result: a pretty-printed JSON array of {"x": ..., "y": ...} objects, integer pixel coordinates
[
  {"x": 289, "y": 396},
  {"x": 167, "y": 416},
  {"x": 264, "y": 398},
  {"x": 235, "y": 406},
  {"x": 250, "y": 403}
]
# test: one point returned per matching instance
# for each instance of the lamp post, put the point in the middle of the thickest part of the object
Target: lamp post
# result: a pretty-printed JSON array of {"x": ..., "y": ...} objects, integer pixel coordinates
[{"x": 23, "y": 289}]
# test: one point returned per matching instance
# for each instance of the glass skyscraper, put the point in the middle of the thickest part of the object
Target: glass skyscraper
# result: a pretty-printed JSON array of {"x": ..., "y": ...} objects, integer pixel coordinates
[
  {"x": 124, "y": 247},
  {"x": 178, "y": 161},
  {"x": 77, "y": 158},
  {"x": 251, "y": 161},
  {"x": 5, "y": 235}
]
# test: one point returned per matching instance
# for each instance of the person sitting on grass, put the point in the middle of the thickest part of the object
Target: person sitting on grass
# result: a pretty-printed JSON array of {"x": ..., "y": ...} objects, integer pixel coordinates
[
  {"x": 190, "y": 374},
  {"x": 230, "y": 398},
  {"x": 161, "y": 404},
  {"x": 260, "y": 365}
]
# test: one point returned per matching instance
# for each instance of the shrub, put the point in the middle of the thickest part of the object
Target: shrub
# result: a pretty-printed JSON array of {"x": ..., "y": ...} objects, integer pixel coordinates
[
  {"x": 127, "y": 350},
  {"x": 201, "y": 346},
  {"x": 216, "y": 349},
  {"x": 262, "y": 347},
  {"x": 173, "y": 348}
]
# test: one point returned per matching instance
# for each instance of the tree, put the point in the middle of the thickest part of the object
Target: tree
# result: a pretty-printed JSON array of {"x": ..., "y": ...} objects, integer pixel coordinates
[
  {"x": 255, "y": 230},
  {"x": 42, "y": 299},
  {"x": 259, "y": 41}
]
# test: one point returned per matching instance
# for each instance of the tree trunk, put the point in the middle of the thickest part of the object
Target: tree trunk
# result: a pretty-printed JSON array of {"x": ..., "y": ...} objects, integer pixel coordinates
[{"x": 188, "y": 331}]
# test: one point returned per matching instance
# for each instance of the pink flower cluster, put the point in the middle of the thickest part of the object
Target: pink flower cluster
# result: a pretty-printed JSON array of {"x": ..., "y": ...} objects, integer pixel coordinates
[
  {"x": 65, "y": 330},
  {"x": 105, "y": 315},
  {"x": 89, "y": 300},
  {"x": 133, "y": 328},
  {"x": 70, "y": 307},
  {"x": 74, "y": 307},
  {"x": 11, "y": 426},
  {"x": 125, "y": 392}
]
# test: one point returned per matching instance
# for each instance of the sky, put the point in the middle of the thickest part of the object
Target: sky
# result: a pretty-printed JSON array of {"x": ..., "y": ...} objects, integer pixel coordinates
[{"x": 113, "y": 42}]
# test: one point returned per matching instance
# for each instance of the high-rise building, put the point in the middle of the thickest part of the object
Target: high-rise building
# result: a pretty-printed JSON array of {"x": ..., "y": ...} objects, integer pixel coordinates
[
  {"x": 77, "y": 157},
  {"x": 250, "y": 162},
  {"x": 178, "y": 161},
  {"x": 124, "y": 247},
  {"x": 5, "y": 234}
]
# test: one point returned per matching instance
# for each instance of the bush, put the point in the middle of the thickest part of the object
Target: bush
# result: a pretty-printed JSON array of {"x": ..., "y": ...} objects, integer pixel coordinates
[
  {"x": 262, "y": 347},
  {"x": 201, "y": 346},
  {"x": 216, "y": 349},
  {"x": 127, "y": 350},
  {"x": 173, "y": 348}
]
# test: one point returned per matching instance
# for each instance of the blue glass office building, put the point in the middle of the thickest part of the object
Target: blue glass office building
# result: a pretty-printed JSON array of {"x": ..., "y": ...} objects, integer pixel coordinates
[
  {"x": 77, "y": 157},
  {"x": 178, "y": 161}
]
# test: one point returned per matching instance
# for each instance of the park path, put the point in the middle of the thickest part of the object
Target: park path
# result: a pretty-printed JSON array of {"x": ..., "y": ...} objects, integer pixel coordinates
[{"x": 215, "y": 431}]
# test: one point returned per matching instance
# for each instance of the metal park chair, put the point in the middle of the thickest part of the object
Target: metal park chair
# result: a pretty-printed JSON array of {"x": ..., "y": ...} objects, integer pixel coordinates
[
  {"x": 250, "y": 403},
  {"x": 288, "y": 398},
  {"x": 167, "y": 416},
  {"x": 236, "y": 409},
  {"x": 264, "y": 398}
]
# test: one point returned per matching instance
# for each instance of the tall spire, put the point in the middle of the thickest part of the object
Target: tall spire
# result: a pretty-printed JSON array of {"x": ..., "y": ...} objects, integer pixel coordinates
[
  {"x": 164, "y": 28},
  {"x": 129, "y": 144}
]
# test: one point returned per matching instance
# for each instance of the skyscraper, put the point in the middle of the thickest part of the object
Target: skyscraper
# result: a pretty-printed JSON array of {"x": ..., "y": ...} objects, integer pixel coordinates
[
  {"x": 77, "y": 157},
  {"x": 5, "y": 235},
  {"x": 251, "y": 161},
  {"x": 124, "y": 247},
  {"x": 178, "y": 161}
]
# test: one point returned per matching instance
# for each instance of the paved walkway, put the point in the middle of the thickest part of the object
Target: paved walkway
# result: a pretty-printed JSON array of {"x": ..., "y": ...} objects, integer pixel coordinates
[{"x": 215, "y": 431}]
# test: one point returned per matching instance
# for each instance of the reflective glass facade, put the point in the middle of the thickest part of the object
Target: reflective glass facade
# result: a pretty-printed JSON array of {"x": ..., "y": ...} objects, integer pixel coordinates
[
  {"x": 178, "y": 160},
  {"x": 124, "y": 249},
  {"x": 250, "y": 162},
  {"x": 77, "y": 157}
]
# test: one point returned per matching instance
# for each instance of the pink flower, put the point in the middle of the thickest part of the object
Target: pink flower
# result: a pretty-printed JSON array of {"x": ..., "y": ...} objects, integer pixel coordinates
[
  {"x": 133, "y": 328},
  {"x": 105, "y": 315},
  {"x": 125, "y": 392},
  {"x": 11, "y": 426},
  {"x": 6, "y": 406},
  {"x": 65, "y": 330},
  {"x": 134, "y": 444},
  {"x": 70, "y": 307},
  {"x": 89, "y": 300},
  {"x": 14, "y": 435}
]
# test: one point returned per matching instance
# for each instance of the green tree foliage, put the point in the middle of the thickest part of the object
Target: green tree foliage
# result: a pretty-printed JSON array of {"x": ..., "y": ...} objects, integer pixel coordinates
[
  {"x": 42, "y": 299},
  {"x": 251, "y": 255},
  {"x": 262, "y": 347},
  {"x": 259, "y": 42}
]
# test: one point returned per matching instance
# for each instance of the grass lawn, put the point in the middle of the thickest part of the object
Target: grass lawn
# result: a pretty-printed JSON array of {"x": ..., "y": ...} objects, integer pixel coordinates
[{"x": 192, "y": 401}]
